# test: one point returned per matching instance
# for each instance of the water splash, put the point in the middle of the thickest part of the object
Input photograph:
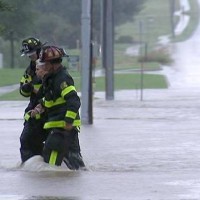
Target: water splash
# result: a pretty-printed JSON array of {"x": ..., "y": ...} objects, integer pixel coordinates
[{"x": 34, "y": 164}]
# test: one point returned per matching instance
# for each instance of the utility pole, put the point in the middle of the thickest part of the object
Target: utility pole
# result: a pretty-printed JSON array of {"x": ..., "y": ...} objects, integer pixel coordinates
[
  {"x": 12, "y": 64},
  {"x": 86, "y": 64},
  {"x": 108, "y": 47},
  {"x": 172, "y": 10},
  {"x": 141, "y": 62}
]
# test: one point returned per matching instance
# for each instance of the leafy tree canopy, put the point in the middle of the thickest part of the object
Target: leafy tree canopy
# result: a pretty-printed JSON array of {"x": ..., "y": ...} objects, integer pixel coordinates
[{"x": 58, "y": 21}]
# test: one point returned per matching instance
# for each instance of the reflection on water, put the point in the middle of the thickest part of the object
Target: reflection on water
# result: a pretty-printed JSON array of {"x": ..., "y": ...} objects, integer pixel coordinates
[
  {"x": 19, "y": 197},
  {"x": 50, "y": 198},
  {"x": 16, "y": 197}
]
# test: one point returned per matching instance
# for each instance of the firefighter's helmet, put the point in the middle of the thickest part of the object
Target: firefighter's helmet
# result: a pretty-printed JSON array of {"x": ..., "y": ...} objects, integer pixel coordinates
[
  {"x": 51, "y": 53},
  {"x": 30, "y": 45}
]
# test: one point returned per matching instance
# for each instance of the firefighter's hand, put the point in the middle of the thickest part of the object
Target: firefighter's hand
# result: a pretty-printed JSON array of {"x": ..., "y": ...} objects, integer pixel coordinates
[
  {"x": 27, "y": 87},
  {"x": 37, "y": 110},
  {"x": 68, "y": 127},
  {"x": 35, "y": 91},
  {"x": 34, "y": 112}
]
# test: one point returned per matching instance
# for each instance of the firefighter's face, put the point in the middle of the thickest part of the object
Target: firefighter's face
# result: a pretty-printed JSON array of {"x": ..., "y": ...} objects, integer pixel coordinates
[
  {"x": 41, "y": 70},
  {"x": 33, "y": 56}
]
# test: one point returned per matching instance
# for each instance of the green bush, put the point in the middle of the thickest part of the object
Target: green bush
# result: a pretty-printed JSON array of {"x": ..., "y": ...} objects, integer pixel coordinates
[
  {"x": 160, "y": 55},
  {"x": 125, "y": 39}
]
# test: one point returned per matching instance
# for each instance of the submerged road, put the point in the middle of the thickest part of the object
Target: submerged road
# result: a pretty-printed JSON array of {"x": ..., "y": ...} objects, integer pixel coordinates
[{"x": 141, "y": 150}]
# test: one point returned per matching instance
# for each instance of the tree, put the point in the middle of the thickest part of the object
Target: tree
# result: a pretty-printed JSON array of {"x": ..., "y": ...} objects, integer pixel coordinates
[
  {"x": 19, "y": 20},
  {"x": 67, "y": 27},
  {"x": 56, "y": 21},
  {"x": 4, "y": 7}
]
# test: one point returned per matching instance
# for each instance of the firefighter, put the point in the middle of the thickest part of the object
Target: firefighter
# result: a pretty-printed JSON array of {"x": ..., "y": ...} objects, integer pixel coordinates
[
  {"x": 33, "y": 134},
  {"x": 61, "y": 104}
]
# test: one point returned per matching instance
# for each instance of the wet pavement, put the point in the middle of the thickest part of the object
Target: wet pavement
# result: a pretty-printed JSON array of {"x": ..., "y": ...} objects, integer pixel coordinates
[{"x": 10, "y": 88}]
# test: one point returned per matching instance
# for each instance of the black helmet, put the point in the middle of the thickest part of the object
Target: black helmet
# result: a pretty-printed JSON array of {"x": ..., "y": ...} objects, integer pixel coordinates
[{"x": 30, "y": 45}]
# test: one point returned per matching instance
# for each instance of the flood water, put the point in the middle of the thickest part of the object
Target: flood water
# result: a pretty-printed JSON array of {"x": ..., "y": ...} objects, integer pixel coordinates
[{"x": 135, "y": 149}]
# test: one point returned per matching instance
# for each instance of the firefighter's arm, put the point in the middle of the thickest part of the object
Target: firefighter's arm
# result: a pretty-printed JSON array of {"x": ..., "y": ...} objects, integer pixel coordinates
[
  {"x": 26, "y": 86},
  {"x": 68, "y": 127},
  {"x": 73, "y": 104},
  {"x": 39, "y": 109}
]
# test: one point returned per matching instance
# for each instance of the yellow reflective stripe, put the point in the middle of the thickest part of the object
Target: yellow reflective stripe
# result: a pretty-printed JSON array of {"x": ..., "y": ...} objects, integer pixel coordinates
[
  {"x": 28, "y": 79},
  {"x": 26, "y": 94},
  {"x": 53, "y": 157},
  {"x": 37, "y": 86},
  {"x": 54, "y": 124},
  {"x": 37, "y": 116},
  {"x": 71, "y": 114},
  {"x": 27, "y": 116},
  {"x": 78, "y": 128},
  {"x": 22, "y": 80},
  {"x": 50, "y": 104},
  {"x": 77, "y": 122},
  {"x": 67, "y": 90},
  {"x": 60, "y": 124}
]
